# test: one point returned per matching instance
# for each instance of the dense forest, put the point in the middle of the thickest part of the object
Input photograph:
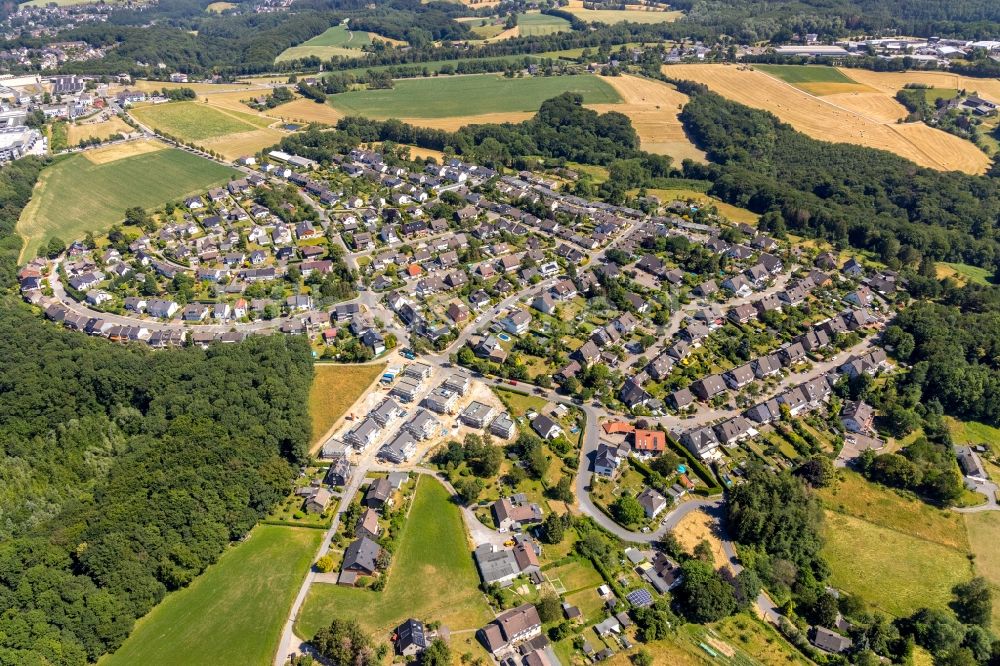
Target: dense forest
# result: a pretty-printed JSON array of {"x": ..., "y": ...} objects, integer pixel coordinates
[
  {"x": 16, "y": 182},
  {"x": 126, "y": 472},
  {"x": 851, "y": 195}
]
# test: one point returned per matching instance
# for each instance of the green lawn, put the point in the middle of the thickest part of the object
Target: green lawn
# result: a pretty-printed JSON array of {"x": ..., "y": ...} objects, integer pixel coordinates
[
  {"x": 191, "y": 121},
  {"x": 806, "y": 73},
  {"x": 75, "y": 195},
  {"x": 893, "y": 571},
  {"x": 973, "y": 432},
  {"x": 533, "y": 24},
  {"x": 932, "y": 95},
  {"x": 432, "y": 577},
  {"x": 469, "y": 95},
  {"x": 231, "y": 614}
]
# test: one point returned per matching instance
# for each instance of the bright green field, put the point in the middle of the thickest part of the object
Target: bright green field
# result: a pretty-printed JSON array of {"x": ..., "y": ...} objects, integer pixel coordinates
[
  {"x": 192, "y": 121},
  {"x": 535, "y": 24},
  {"x": 75, "y": 195},
  {"x": 893, "y": 571},
  {"x": 335, "y": 41},
  {"x": 806, "y": 73},
  {"x": 432, "y": 577},
  {"x": 469, "y": 95},
  {"x": 234, "y": 612}
]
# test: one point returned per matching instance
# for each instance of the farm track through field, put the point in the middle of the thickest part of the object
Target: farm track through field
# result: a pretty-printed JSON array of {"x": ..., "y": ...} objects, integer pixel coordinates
[{"x": 828, "y": 120}]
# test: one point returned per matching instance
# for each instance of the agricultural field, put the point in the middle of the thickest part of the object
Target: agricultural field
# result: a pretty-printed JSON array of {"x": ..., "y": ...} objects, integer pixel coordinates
[
  {"x": 862, "y": 118},
  {"x": 102, "y": 183},
  {"x": 891, "y": 569},
  {"x": 532, "y": 24},
  {"x": 230, "y": 132},
  {"x": 654, "y": 108},
  {"x": 96, "y": 130},
  {"x": 477, "y": 97},
  {"x": 973, "y": 432},
  {"x": 891, "y": 82},
  {"x": 815, "y": 80},
  {"x": 334, "y": 389},
  {"x": 219, "y": 7},
  {"x": 636, "y": 14},
  {"x": 335, "y": 41},
  {"x": 432, "y": 577},
  {"x": 233, "y": 612}
]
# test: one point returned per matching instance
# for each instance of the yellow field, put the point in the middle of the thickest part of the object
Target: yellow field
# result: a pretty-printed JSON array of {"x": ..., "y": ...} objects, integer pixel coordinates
[
  {"x": 122, "y": 150},
  {"x": 892, "y": 82},
  {"x": 833, "y": 88},
  {"x": 632, "y": 14},
  {"x": 99, "y": 130},
  {"x": 827, "y": 120},
  {"x": 875, "y": 105},
  {"x": 696, "y": 527},
  {"x": 244, "y": 143},
  {"x": 729, "y": 211},
  {"x": 653, "y": 108},
  {"x": 334, "y": 389},
  {"x": 389, "y": 40},
  {"x": 219, "y": 7},
  {"x": 456, "y": 122},
  {"x": 308, "y": 111},
  {"x": 152, "y": 86}
]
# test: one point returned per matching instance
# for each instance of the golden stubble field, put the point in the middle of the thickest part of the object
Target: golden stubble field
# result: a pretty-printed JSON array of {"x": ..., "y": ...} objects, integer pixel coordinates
[
  {"x": 862, "y": 118},
  {"x": 654, "y": 108}
]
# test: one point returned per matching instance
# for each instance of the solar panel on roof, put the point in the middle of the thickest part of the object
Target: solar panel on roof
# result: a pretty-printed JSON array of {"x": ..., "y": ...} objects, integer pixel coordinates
[{"x": 640, "y": 598}]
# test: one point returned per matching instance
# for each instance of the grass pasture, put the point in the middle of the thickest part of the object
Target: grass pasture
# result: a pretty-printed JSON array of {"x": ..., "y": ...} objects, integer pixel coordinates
[
  {"x": 432, "y": 576},
  {"x": 219, "y": 127},
  {"x": 191, "y": 121},
  {"x": 335, "y": 41},
  {"x": 334, "y": 389},
  {"x": 862, "y": 118},
  {"x": 102, "y": 183},
  {"x": 964, "y": 272},
  {"x": 533, "y": 24},
  {"x": 854, "y": 496},
  {"x": 895, "y": 572},
  {"x": 464, "y": 96},
  {"x": 234, "y": 612},
  {"x": 984, "y": 535}
]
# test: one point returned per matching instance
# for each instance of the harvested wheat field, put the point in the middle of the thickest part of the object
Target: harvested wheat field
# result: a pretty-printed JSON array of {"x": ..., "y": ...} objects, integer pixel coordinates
[
  {"x": 829, "y": 121},
  {"x": 99, "y": 130},
  {"x": 200, "y": 88},
  {"x": 892, "y": 82},
  {"x": 233, "y": 146},
  {"x": 653, "y": 107},
  {"x": 308, "y": 111},
  {"x": 457, "y": 122},
  {"x": 120, "y": 151},
  {"x": 875, "y": 105}
]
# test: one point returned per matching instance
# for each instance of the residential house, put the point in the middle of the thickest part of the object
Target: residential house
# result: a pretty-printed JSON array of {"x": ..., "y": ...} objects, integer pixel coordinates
[
  {"x": 361, "y": 556},
  {"x": 378, "y": 495},
  {"x": 409, "y": 638},
  {"x": 515, "y": 512},
  {"x": 651, "y": 502},
  {"x": 510, "y": 628},
  {"x": 545, "y": 427},
  {"x": 708, "y": 387},
  {"x": 857, "y": 416}
]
